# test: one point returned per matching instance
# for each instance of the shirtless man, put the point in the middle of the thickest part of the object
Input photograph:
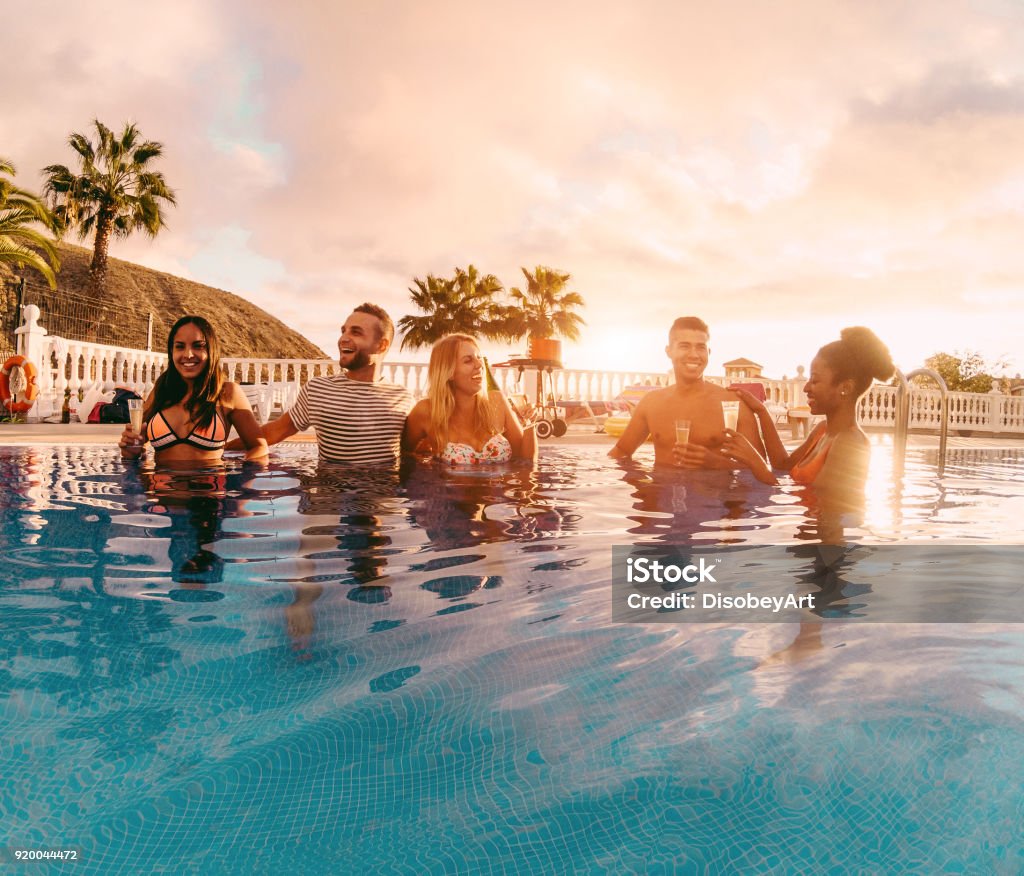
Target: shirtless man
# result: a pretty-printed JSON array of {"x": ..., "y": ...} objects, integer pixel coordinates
[{"x": 691, "y": 399}]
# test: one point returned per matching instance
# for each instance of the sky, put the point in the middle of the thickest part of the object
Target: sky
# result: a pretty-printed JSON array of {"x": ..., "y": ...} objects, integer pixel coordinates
[{"x": 780, "y": 169}]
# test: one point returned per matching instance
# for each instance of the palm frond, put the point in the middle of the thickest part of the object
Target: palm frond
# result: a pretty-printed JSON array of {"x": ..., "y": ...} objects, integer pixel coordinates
[
  {"x": 114, "y": 191},
  {"x": 466, "y": 303},
  {"x": 147, "y": 151},
  {"x": 20, "y": 241},
  {"x": 14, "y": 253}
]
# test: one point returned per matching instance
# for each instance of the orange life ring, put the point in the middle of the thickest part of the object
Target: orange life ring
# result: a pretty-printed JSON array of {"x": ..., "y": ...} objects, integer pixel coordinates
[{"x": 31, "y": 391}]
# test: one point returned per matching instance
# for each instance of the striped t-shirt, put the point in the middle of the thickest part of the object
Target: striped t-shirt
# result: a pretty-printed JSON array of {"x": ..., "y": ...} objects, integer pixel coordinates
[{"x": 356, "y": 421}]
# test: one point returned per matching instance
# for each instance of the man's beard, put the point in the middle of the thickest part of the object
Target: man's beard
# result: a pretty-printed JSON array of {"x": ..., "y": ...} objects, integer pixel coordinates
[{"x": 360, "y": 359}]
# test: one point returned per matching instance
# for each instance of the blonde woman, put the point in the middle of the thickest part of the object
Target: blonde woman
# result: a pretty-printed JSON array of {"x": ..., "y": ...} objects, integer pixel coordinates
[{"x": 460, "y": 422}]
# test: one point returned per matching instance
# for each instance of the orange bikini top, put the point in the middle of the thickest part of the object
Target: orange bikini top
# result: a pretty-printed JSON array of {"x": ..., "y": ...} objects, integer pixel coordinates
[
  {"x": 162, "y": 436},
  {"x": 812, "y": 462}
]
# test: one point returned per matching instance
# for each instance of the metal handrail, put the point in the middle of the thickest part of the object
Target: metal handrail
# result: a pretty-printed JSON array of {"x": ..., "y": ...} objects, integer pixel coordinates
[{"x": 903, "y": 417}]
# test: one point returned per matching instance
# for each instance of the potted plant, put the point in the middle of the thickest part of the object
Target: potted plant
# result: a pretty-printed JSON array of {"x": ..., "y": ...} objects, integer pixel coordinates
[{"x": 544, "y": 311}]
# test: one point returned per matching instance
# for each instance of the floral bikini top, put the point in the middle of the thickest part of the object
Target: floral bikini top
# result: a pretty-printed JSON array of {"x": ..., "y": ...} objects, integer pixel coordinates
[
  {"x": 162, "y": 436},
  {"x": 497, "y": 449}
]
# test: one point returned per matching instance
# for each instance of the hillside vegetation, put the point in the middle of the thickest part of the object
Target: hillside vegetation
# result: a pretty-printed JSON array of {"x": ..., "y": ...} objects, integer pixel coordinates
[{"x": 134, "y": 291}]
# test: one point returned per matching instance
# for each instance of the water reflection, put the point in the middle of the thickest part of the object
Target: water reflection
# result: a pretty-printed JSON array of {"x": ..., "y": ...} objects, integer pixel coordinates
[
  {"x": 58, "y": 561},
  {"x": 465, "y": 509},
  {"x": 679, "y": 511},
  {"x": 194, "y": 503},
  {"x": 694, "y": 506},
  {"x": 79, "y": 518},
  {"x": 347, "y": 517}
]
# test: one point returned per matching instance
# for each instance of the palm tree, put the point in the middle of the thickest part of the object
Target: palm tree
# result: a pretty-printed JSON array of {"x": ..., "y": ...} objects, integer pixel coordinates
[
  {"x": 21, "y": 244},
  {"x": 116, "y": 192},
  {"x": 465, "y": 303},
  {"x": 545, "y": 309}
]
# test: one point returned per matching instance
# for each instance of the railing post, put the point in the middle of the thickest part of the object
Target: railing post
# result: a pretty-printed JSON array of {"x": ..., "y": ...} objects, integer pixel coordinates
[
  {"x": 30, "y": 340},
  {"x": 995, "y": 410}
]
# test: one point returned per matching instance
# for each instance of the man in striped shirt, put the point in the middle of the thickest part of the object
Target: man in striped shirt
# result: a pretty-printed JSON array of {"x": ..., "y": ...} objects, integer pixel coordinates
[{"x": 357, "y": 417}]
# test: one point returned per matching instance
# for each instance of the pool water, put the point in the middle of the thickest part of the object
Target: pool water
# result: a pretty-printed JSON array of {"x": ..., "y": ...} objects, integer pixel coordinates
[{"x": 321, "y": 670}]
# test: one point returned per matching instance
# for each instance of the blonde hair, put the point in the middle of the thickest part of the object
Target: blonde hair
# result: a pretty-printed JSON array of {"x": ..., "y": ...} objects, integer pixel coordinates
[{"x": 444, "y": 356}]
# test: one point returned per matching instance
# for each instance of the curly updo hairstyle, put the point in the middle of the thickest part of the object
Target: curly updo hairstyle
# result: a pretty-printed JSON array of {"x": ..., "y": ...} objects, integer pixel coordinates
[{"x": 859, "y": 356}]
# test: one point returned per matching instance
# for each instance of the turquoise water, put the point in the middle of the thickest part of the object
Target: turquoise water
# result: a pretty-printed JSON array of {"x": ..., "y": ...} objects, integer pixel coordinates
[{"x": 329, "y": 671}]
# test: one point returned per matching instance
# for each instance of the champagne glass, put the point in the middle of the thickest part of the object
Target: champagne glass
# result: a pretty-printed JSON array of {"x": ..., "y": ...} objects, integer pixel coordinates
[
  {"x": 135, "y": 414},
  {"x": 731, "y": 414}
]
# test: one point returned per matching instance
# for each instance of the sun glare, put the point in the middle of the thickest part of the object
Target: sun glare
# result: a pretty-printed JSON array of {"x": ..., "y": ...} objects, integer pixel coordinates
[
  {"x": 782, "y": 345},
  {"x": 628, "y": 350},
  {"x": 881, "y": 505}
]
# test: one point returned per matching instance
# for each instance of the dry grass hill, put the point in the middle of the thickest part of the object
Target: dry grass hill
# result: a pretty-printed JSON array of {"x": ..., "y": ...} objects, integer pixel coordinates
[{"x": 134, "y": 291}]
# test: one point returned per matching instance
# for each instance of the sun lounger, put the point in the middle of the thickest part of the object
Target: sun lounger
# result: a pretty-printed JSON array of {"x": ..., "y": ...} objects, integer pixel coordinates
[
  {"x": 261, "y": 400},
  {"x": 594, "y": 411},
  {"x": 621, "y": 408}
]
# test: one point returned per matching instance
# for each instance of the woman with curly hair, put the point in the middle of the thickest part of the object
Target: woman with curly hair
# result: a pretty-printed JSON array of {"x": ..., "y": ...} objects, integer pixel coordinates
[{"x": 835, "y": 455}]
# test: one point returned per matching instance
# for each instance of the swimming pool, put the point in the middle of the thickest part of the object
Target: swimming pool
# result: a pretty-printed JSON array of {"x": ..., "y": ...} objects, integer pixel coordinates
[{"x": 314, "y": 668}]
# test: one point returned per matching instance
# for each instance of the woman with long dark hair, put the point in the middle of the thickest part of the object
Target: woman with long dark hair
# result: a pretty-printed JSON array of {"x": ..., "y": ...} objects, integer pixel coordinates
[{"x": 192, "y": 408}]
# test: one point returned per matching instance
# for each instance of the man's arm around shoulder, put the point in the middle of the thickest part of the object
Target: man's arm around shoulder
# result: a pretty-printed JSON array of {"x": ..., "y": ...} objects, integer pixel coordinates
[{"x": 274, "y": 432}]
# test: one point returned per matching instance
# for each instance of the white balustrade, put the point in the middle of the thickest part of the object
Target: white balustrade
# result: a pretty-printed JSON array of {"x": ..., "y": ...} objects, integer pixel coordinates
[
  {"x": 284, "y": 376},
  {"x": 1011, "y": 414},
  {"x": 64, "y": 364},
  {"x": 569, "y": 384},
  {"x": 411, "y": 375},
  {"x": 79, "y": 365},
  {"x": 877, "y": 408},
  {"x": 788, "y": 392}
]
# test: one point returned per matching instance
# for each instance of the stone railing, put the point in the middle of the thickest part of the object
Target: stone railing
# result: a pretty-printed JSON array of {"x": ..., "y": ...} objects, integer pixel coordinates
[
  {"x": 968, "y": 411},
  {"x": 64, "y": 364},
  {"x": 287, "y": 376},
  {"x": 788, "y": 392},
  {"x": 284, "y": 376},
  {"x": 573, "y": 384}
]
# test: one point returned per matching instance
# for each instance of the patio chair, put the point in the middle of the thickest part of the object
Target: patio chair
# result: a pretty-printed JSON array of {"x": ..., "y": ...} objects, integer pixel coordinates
[
  {"x": 576, "y": 411},
  {"x": 777, "y": 411},
  {"x": 261, "y": 399}
]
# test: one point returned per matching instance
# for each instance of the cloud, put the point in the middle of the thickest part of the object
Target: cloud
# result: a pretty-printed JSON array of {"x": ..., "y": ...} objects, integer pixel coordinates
[{"x": 756, "y": 163}]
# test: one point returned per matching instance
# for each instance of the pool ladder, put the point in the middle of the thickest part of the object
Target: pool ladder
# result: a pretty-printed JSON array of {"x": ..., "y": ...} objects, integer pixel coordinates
[{"x": 903, "y": 417}]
